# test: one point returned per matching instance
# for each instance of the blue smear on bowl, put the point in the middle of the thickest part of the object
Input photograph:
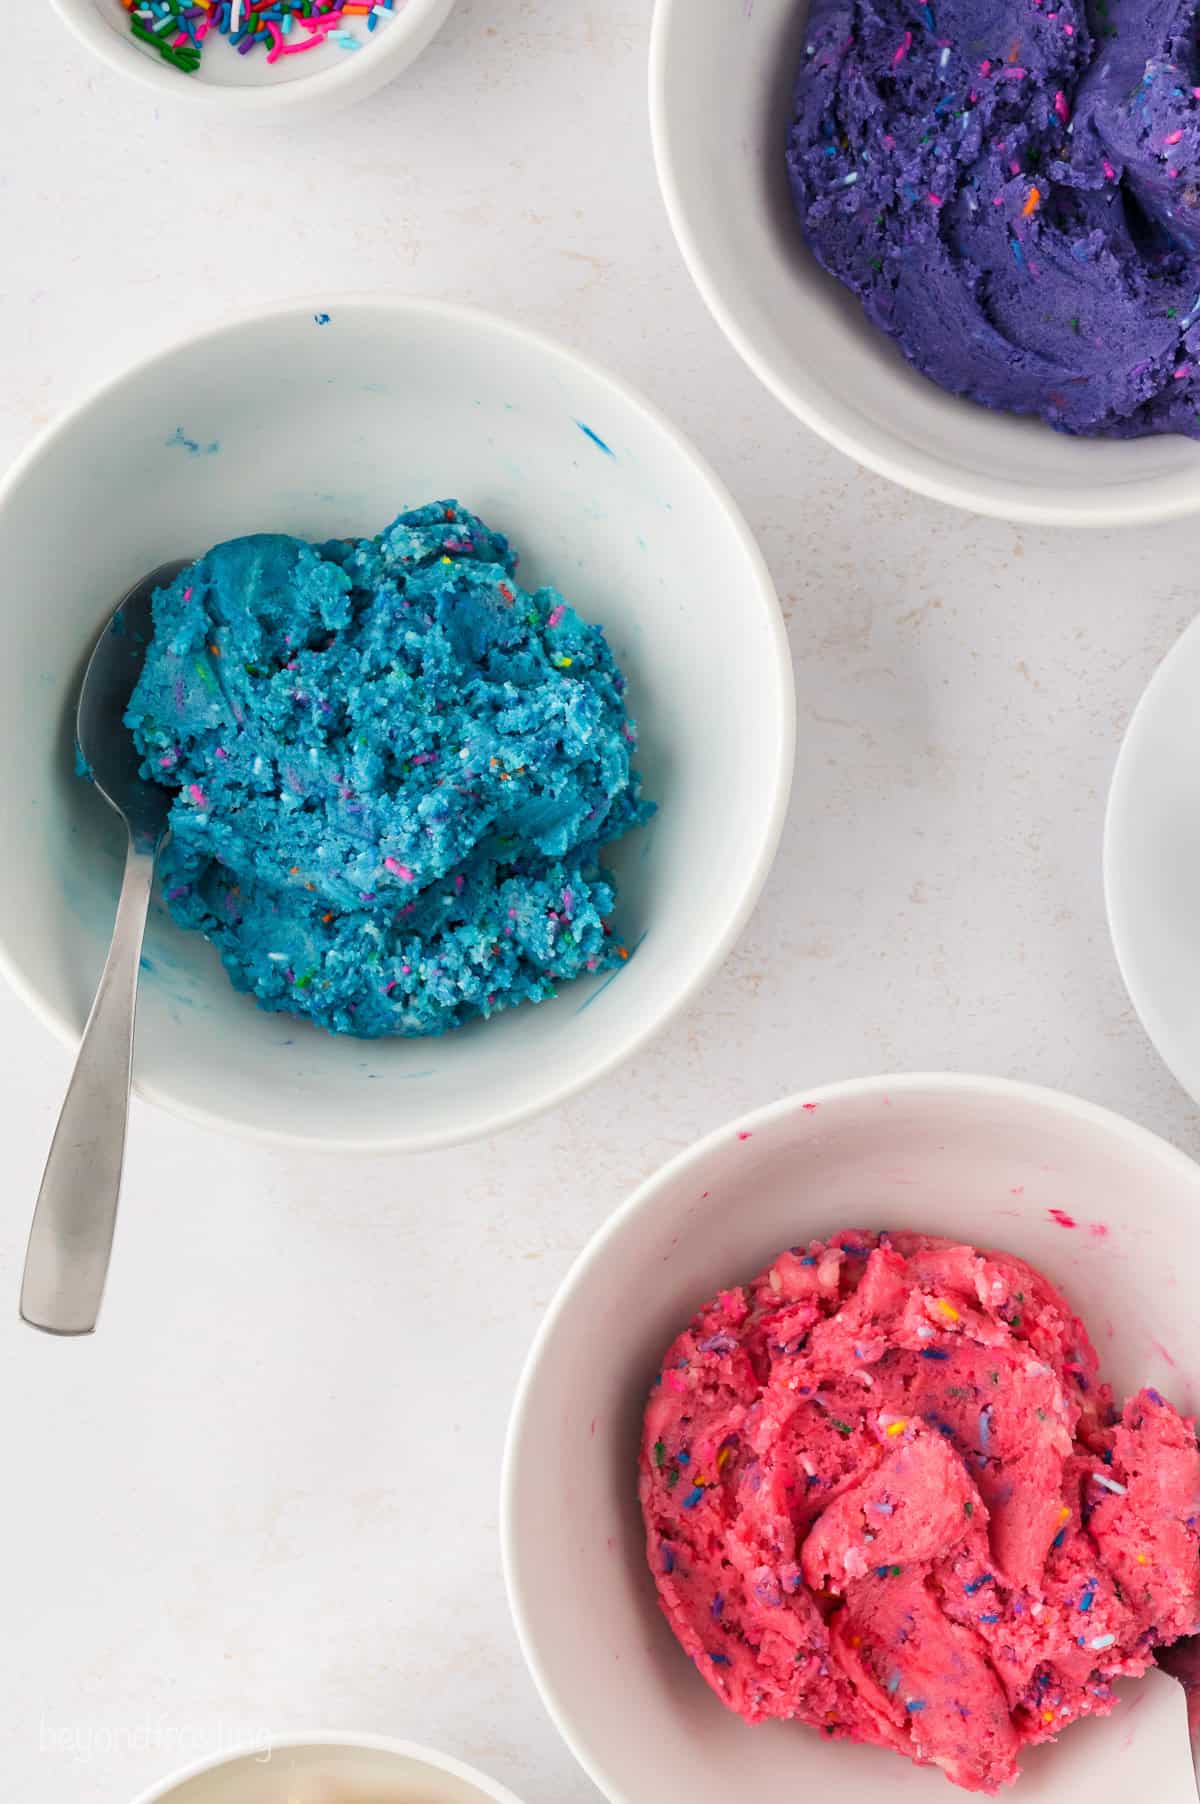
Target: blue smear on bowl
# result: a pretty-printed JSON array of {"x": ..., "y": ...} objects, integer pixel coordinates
[
  {"x": 192, "y": 445},
  {"x": 596, "y": 439}
]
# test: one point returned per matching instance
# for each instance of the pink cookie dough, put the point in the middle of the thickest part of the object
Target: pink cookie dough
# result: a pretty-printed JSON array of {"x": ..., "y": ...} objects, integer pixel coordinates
[{"x": 885, "y": 1494}]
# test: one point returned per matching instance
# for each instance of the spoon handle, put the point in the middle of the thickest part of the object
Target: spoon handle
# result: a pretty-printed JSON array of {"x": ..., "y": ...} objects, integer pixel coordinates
[{"x": 71, "y": 1238}]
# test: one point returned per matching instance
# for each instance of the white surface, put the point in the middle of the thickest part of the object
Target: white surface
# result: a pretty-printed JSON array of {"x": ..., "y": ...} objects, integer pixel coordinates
[
  {"x": 954, "y": 1156},
  {"x": 266, "y": 1491},
  {"x": 1152, "y": 860},
  {"x": 249, "y": 88},
  {"x": 331, "y": 1769},
  {"x": 324, "y": 419},
  {"x": 721, "y": 89}
]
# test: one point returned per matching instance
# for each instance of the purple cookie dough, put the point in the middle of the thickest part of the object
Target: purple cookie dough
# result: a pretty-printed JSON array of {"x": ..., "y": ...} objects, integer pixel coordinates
[{"x": 1012, "y": 189}]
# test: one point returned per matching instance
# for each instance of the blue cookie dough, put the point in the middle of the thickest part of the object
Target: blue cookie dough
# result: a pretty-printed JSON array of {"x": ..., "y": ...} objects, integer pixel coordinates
[{"x": 395, "y": 771}]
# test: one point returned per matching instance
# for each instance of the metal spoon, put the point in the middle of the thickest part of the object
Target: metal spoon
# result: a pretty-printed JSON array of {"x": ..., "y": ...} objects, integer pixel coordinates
[
  {"x": 71, "y": 1239},
  {"x": 1182, "y": 1661}
]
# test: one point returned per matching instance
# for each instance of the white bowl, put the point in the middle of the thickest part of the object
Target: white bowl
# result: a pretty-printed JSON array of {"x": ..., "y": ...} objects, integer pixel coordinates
[
  {"x": 248, "y": 86},
  {"x": 721, "y": 78},
  {"x": 329, "y": 1769},
  {"x": 974, "y": 1158},
  {"x": 327, "y": 429},
  {"x": 1152, "y": 860}
]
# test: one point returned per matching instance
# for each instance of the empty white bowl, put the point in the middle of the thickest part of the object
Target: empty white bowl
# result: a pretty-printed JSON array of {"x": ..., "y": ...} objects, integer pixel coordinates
[
  {"x": 330, "y": 1769},
  {"x": 973, "y": 1158},
  {"x": 248, "y": 86},
  {"x": 1152, "y": 860},
  {"x": 721, "y": 79},
  {"x": 324, "y": 420}
]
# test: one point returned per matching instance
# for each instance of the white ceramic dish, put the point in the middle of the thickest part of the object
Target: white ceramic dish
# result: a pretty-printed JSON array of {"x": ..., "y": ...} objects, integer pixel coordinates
[
  {"x": 1152, "y": 860},
  {"x": 277, "y": 422},
  {"x": 330, "y": 1769},
  {"x": 970, "y": 1157},
  {"x": 721, "y": 76},
  {"x": 248, "y": 86}
]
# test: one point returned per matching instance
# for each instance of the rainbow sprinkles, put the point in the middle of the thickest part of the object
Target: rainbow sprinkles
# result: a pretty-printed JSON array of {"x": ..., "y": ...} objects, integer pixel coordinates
[{"x": 179, "y": 29}]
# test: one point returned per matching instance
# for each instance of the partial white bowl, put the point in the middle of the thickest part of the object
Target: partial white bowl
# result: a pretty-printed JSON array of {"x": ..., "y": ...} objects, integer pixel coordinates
[
  {"x": 248, "y": 87},
  {"x": 974, "y": 1158},
  {"x": 721, "y": 78},
  {"x": 1152, "y": 860},
  {"x": 329, "y": 1769},
  {"x": 326, "y": 419}
]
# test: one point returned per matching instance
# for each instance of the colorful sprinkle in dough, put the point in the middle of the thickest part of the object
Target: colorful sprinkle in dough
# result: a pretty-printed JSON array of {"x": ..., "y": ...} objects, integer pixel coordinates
[
  {"x": 1059, "y": 272},
  {"x": 178, "y": 29},
  {"x": 394, "y": 775},
  {"x": 953, "y": 1558}
]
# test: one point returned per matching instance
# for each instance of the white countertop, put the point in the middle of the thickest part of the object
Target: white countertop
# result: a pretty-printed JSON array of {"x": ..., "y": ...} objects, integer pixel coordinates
[{"x": 264, "y": 1496}]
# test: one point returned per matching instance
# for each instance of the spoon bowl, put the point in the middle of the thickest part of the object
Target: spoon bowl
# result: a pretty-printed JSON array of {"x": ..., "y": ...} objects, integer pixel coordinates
[{"x": 106, "y": 749}]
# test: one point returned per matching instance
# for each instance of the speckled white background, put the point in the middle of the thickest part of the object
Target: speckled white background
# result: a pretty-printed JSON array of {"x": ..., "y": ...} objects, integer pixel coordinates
[{"x": 264, "y": 1496}]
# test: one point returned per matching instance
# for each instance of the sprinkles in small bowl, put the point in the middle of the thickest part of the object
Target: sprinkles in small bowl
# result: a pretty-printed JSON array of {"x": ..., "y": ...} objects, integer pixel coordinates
[
  {"x": 180, "y": 29},
  {"x": 254, "y": 58}
]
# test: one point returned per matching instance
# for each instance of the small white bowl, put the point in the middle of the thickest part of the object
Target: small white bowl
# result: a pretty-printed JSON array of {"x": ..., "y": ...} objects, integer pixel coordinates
[
  {"x": 973, "y": 1158},
  {"x": 329, "y": 1769},
  {"x": 721, "y": 80},
  {"x": 248, "y": 86},
  {"x": 1152, "y": 860},
  {"x": 326, "y": 419}
]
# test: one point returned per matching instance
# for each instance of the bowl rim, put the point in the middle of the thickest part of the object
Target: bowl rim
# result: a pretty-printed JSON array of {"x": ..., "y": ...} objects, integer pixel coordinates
[
  {"x": 334, "y": 85},
  {"x": 1121, "y": 798},
  {"x": 160, "y": 1792},
  {"x": 876, "y": 449},
  {"x": 1086, "y": 1114},
  {"x": 776, "y": 781}
]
